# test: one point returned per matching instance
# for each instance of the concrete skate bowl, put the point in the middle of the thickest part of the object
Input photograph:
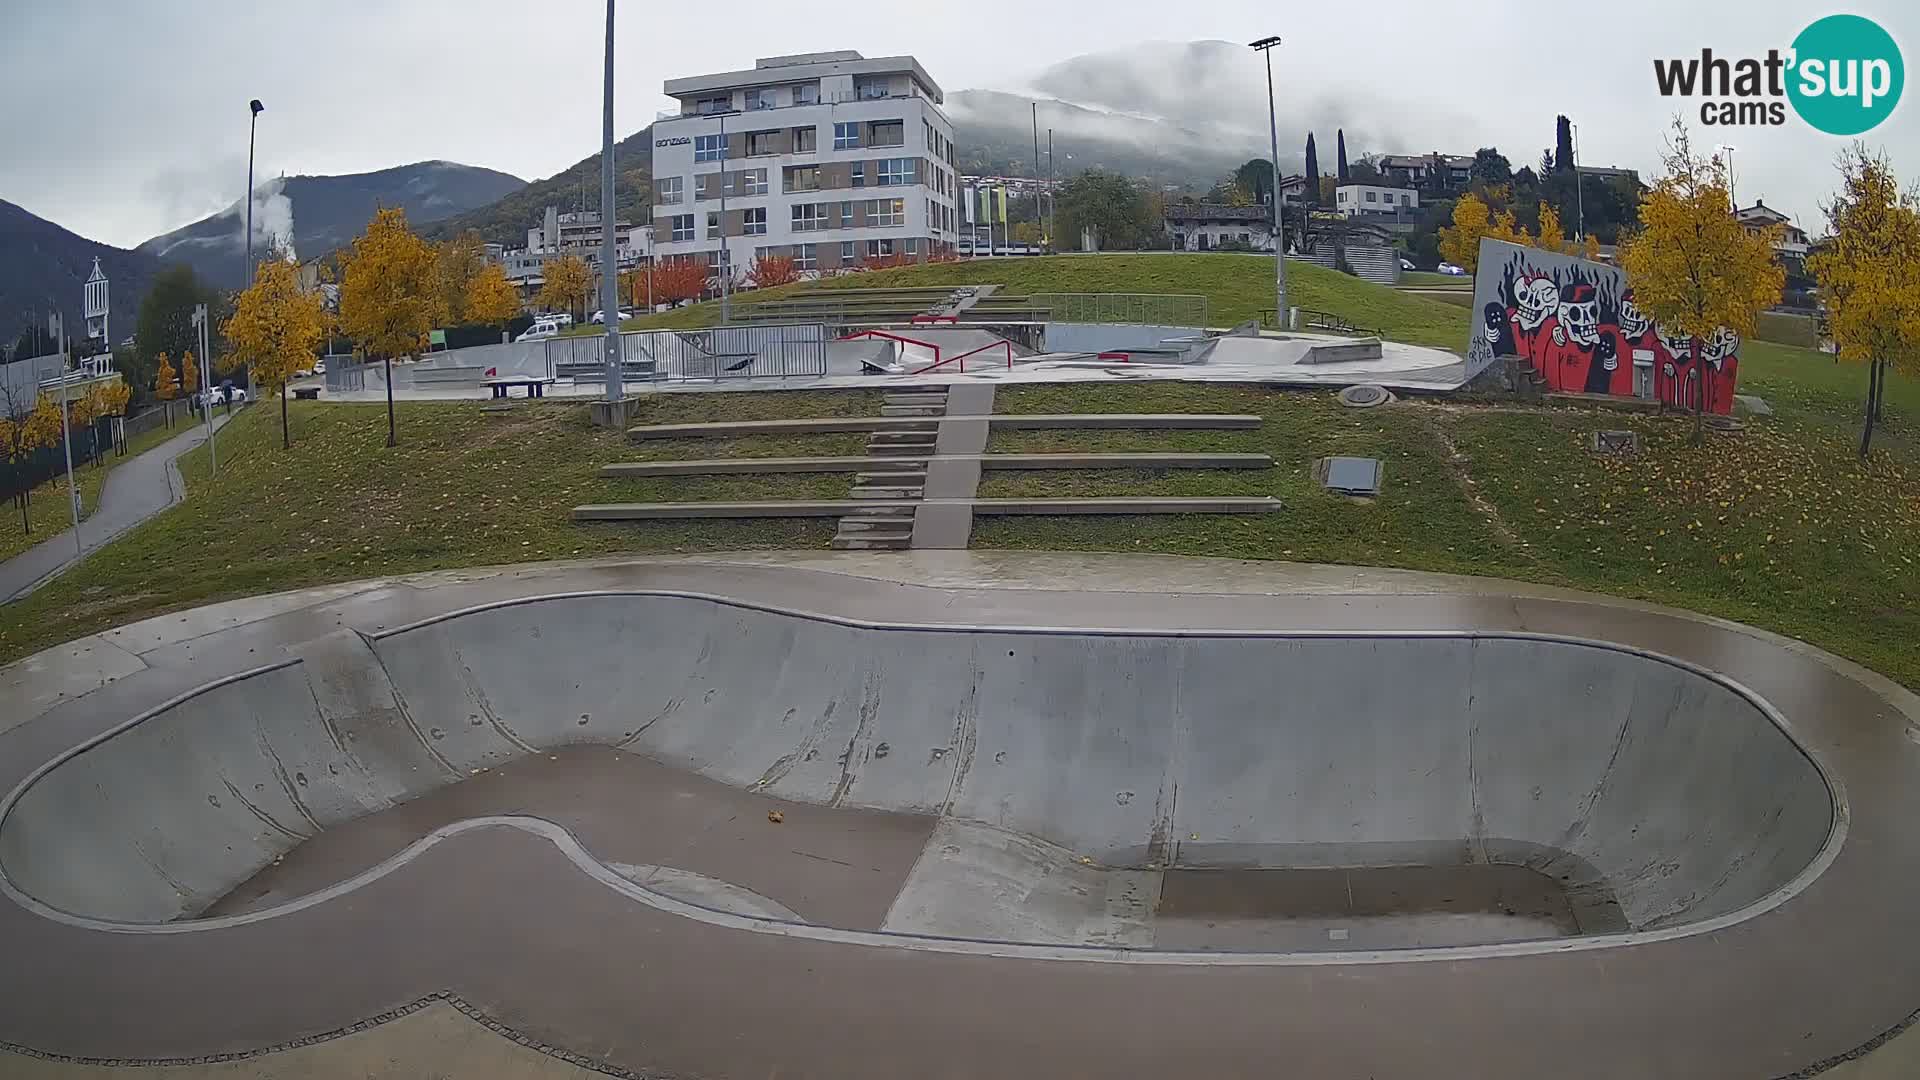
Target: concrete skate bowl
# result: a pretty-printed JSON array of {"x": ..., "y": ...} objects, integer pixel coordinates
[{"x": 1259, "y": 794}]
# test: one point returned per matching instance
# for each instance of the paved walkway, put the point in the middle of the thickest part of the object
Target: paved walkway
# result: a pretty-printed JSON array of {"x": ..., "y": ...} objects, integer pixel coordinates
[{"x": 135, "y": 491}]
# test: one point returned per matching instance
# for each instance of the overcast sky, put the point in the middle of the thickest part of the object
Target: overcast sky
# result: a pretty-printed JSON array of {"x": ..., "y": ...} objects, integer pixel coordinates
[{"x": 126, "y": 118}]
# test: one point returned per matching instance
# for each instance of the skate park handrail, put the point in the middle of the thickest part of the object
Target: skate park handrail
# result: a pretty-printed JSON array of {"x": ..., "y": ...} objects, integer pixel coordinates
[
  {"x": 962, "y": 358},
  {"x": 890, "y": 336}
]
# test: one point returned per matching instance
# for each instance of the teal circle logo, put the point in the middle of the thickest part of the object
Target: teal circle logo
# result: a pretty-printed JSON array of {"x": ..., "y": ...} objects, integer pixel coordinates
[{"x": 1846, "y": 76}]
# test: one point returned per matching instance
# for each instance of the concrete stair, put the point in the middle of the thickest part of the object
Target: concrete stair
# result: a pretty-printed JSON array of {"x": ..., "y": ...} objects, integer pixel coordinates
[{"x": 903, "y": 483}]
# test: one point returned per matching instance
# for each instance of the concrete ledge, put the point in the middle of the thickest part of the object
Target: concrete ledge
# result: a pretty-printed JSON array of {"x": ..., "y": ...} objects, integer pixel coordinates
[
  {"x": 737, "y": 466},
  {"x": 670, "y": 511},
  {"x": 1144, "y": 505},
  {"x": 1028, "y": 422},
  {"x": 1160, "y": 421}
]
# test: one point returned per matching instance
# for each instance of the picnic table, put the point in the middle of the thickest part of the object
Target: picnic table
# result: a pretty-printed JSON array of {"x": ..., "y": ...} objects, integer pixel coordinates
[{"x": 536, "y": 385}]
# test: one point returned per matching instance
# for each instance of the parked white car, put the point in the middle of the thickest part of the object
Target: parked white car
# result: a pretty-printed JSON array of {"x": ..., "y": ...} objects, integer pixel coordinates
[
  {"x": 217, "y": 397},
  {"x": 599, "y": 317},
  {"x": 1449, "y": 268},
  {"x": 1406, "y": 264},
  {"x": 541, "y": 329}
]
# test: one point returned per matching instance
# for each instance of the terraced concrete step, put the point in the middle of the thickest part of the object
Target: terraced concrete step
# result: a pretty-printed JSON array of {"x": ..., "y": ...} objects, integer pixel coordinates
[
  {"x": 917, "y": 452},
  {"x": 918, "y": 398},
  {"x": 862, "y": 492},
  {"x": 898, "y": 525},
  {"x": 912, "y": 410},
  {"x": 1146, "y": 421},
  {"x": 1131, "y": 505},
  {"x": 1125, "y": 461},
  {"x": 770, "y": 509},
  {"x": 895, "y": 438},
  {"x": 826, "y": 425},
  {"x": 916, "y": 477},
  {"x": 896, "y": 464}
]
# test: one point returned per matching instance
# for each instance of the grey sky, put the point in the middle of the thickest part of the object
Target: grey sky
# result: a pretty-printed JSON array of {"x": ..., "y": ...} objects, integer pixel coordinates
[{"x": 125, "y": 118}]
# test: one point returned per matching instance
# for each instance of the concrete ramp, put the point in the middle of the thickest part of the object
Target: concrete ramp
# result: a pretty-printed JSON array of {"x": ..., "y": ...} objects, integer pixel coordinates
[{"x": 1631, "y": 783}]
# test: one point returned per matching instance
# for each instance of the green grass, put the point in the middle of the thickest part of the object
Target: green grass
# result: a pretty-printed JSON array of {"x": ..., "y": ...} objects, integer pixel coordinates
[
  {"x": 47, "y": 504},
  {"x": 1427, "y": 279},
  {"x": 1787, "y": 330},
  {"x": 463, "y": 488},
  {"x": 1237, "y": 288}
]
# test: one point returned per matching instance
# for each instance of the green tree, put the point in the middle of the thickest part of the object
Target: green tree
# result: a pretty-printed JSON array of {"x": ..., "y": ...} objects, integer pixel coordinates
[
  {"x": 1313, "y": 171},
  {"x": 165, "y": 324},
  {"x": 1255, "y": 177},
  {"x": 1490, "y": 166},
  {"x": 390, "y": 297},
  {"x": 1109, "y": 204}
]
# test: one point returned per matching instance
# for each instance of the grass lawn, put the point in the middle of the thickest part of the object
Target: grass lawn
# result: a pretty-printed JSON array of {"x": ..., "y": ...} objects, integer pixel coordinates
[
  {"x": 464, "y": 488},
  {"x": 1787, "y": 330},
  {"x": 1237, "y": 288},
  {"x": 1434, "y": 279},
  {"x": 47, "y": 507}
]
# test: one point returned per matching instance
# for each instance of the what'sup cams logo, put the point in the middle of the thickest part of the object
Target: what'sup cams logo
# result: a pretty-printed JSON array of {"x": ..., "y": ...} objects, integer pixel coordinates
[{"x": 1843, "y": 75}]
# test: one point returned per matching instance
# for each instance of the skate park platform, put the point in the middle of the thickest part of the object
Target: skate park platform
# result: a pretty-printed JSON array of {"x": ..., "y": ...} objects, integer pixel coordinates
[{"x": 1024, "y": 815}]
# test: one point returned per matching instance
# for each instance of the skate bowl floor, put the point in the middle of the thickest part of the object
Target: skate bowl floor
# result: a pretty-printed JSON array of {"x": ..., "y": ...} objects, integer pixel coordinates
[{"x": 680, "y": 816}]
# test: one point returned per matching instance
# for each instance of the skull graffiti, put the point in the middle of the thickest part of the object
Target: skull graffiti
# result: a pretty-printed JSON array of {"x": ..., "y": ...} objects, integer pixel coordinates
[
  {"x": 1579, "y": 314},
  {"x": 1633, "y": 321},
  {"x": 1721, "y": 344},
  {"x": 1536, "y": 300}
]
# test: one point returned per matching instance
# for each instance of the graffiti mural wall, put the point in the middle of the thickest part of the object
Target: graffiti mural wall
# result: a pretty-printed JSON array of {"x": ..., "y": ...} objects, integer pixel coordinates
[{"x": 1575, "y": 322}]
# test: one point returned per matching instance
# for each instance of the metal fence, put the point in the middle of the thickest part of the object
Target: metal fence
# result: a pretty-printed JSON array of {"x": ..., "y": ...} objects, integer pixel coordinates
[
  {"x": 1149, "y": 309},
  {"x": 344, "y": 375},
  {"x": 779, "y": 351}
]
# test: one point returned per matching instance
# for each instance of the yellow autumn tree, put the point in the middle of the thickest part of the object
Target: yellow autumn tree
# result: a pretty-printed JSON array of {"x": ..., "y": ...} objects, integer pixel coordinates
[
  {"x": 1693, "y": 268},
  {"x": 189, "y": 373},
  {"x": 389, "y": 294},
  {"x": 1474, "y": 220},
  {"x": 568, "y": 281},
  {"x": 166, "y": 381},
  {"x": 458, "y": 261},
  {"x": 1869, "y": 274},
  {"x": 275, "y": 329},
  {"x": 1591, "y": 247},
  {"x": 491, "y": 299},
  {"x": 1551, "y": 236}
]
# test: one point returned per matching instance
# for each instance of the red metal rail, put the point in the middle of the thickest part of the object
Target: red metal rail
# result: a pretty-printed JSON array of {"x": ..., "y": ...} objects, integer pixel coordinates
[
  {"x": 962, "y": 358},
  {"x": 894, "y": 337}
]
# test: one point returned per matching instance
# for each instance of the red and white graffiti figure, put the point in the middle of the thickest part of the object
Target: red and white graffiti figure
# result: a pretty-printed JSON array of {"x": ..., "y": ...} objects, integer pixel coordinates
[{"x": 1537, "y": 299}]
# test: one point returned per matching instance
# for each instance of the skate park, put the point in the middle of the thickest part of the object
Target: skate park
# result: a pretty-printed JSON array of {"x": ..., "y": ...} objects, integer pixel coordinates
[{"x": 1190, "y": 806}]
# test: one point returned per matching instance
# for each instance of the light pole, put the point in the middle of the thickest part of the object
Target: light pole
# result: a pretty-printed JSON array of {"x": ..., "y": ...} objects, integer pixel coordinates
[
  {"x": 59, "y": 329},
  {"x": 1579, "y": 192},
  {"x": 609, "y": 253},
  {"x": 726, "y": 264},
  {"x": 1731, "y": 198},
  {"x": 1265, "y": 47},
  {"x": 253, "y": 122},
  {"x": 206, "y": 392}
]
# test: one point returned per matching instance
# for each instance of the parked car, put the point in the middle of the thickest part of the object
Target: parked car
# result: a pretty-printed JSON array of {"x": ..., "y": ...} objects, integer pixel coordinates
[
  {"x": 541, "y": 329},
  {"x": 320, "y": 367},
  {"x": 599, "y": 317},
  {"x": 221, "y": 396},
  {"x": 1406, "y": 264},
  {"x": 1449, "y": 268}
]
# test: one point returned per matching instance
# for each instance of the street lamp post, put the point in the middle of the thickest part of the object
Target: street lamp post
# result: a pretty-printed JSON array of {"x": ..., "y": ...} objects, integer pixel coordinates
[
  {"x": 726, "y": 264},
  {"x": 1579, "y": 193},
  {"x": 609, "y": 252},
  {"x": 253, "y": 122},
  {"x": 1265, "y": 47}
]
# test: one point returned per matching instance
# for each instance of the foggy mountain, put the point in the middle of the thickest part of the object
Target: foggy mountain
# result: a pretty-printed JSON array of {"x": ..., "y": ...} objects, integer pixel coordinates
[
  {"x": 44, "y": 266},
  {"x": 317, "y": 214}
]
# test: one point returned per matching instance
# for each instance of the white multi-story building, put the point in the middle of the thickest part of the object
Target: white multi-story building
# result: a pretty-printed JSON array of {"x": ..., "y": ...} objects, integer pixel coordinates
[
  {"x": 1353, "y": 199},
  {"x": 572, "y": 234},
  {"x": 830, "y": 158}
]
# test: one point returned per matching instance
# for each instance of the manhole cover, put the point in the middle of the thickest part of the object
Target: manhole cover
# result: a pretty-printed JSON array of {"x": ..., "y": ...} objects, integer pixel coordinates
[
  {"x": 1350, "y": 475},
  {"x": 1365, "y": 396}
]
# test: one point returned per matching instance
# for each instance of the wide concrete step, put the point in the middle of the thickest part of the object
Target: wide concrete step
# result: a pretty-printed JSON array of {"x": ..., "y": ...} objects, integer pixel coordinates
[
  {"x": 871, "y": 543},
  {"x": 916, "y": 452},
  {"x": 1134, "y": 505},
  {"x": 870, "y": 492},
  {"x": 912, "y": 410},
  {"x": 826, "y": 425},
  {"x": 688, "y": 510},
  {"x": 901, "y": 438},
  {"x": 735, "y": 466},
  {"x": 916, "y": 477},
  {"x": 1125, "y": 461},
  {"x": 916, "y": 398},
  {"x": 900, "y": 524},
  {"x": 1148, "y": 421}
]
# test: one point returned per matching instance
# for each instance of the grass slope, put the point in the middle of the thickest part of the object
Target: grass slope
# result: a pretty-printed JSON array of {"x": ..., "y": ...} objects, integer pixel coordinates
[
  {"x": 47, "y": 511},
  {"x": 1237, "y": 288}
]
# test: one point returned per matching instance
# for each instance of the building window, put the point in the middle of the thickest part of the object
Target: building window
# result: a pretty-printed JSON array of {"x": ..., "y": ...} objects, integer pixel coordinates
[
  {"x": 886, "y": 212},
  {"x": 809, "y": 217},
  {"x": 890, "y": 171},
  {"x": 806, "y": 94},
  {"x": 754, "y": 221},
  {"x": 801, "y": 178},
  {"x": 846, "y": 136},
  {"x": 889, "y": 133},
  {"x": 668, "y": 190},
  {"x": 846, "y": 215},
  {"x": 806, "y": 257},
  {"x": 709, "y": 147},
  {"x": 911, "y": 247},
  {"x": 805, "y": 139},
  {"x": 933, "y": 141},
  {"x": 872, "y": 91},
  {"x": 1370, "y": 196},
  {"x": 846, "y": 252},
  {"x": 1405, "y": 199},
  {"x": 719, "y": 104},
  {"x": 879, "y": 249},
  {"x": 713, "y": 225},
  {"x": 761, "y": 143},
  {"x": 682, "y": 227},
  {"x": 761, "y": 98},
  {"x": 857, "y": 174},
  {"x": 754, "y": 182}
]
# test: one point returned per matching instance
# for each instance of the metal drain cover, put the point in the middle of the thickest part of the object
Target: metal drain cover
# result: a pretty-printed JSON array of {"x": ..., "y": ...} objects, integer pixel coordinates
[
  {"x": 1351, "y": 475},
  {"x": 1364, "y": 396}
]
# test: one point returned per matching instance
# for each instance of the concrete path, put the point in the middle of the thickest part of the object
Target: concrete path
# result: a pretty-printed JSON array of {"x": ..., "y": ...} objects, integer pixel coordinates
[
  {"x": 135, "y": 491},
  {"x": 526, "y": 932}
]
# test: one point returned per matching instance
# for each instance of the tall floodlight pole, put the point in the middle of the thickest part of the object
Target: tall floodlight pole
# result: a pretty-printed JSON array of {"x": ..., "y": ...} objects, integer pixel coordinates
[
  {"x": 609, "y": 253},
  {"x": 726, "y": 264},
  {"x": 1053, "y": 201},
  {"x": 1579, "y": 196},
  {"x": 1265, "y": 47},
  {"x": 253, "y": 122},
  {"x": 1731, "y": 198}
]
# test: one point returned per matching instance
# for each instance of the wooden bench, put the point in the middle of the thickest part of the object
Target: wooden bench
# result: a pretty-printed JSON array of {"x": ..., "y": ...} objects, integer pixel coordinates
[
  {"x": 536, "y": 385},
  {"x": 306, "y": 393}
]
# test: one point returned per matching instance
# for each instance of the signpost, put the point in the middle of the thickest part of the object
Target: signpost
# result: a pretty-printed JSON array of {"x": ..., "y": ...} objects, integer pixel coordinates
[{"x": 206, "y": 391}]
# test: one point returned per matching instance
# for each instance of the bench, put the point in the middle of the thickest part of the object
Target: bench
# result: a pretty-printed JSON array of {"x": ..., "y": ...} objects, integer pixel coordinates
[
  {"x": 306, "y": 393},
  {"x": 536, "y": 385}
]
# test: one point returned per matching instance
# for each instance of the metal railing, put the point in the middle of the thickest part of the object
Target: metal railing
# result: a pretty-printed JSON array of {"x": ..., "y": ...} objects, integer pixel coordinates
[
  {"x": 1147, "y": 309},
  {"x": 343, "y": 376}
]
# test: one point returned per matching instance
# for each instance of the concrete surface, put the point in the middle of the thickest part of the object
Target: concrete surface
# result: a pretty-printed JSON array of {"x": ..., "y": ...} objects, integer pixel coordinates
[
  {"x": 892, "y": 424},
  {"x": 133, "y": 492},
  {"x": 725, "y": 466},
  {"x": 1811, "y": 974}
]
